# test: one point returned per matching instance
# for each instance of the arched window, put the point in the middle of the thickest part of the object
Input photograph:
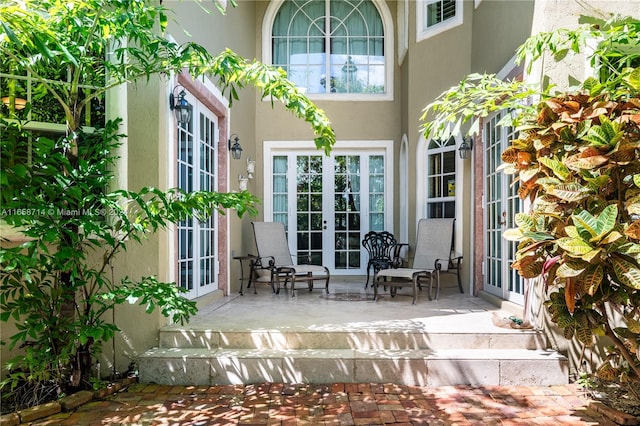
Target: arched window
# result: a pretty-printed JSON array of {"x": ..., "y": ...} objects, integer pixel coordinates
[{"x": 332, "y": 46}]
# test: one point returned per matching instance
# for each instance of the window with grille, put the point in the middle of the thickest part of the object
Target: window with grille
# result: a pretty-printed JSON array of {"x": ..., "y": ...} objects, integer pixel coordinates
[
  {"x": 331, "y": 46},
  {"x": 439, "y": 11},
  {"x": 441, "y": 179},
  {"x": 435, "y": 16}
]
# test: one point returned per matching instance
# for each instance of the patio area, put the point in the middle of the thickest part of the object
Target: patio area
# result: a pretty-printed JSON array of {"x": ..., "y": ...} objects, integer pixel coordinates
[
  {"x": 349, "y": 306},
  {"x": 348, "y": 337}
]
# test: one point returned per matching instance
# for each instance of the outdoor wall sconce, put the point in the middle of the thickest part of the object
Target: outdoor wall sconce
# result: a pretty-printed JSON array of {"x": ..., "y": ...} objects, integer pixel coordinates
[
  {"x": 465, "y": 148},
  {"x": 235, "y": 149},
  {"x": 242, "y": 183},
  {"x": 18, "y": 103},
  {"x": 181, "y": 108},
  {"x": 251, "y": 168}
]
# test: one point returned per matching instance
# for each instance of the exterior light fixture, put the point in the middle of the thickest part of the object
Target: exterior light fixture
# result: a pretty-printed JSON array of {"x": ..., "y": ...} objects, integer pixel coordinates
[
  {"x": 465, "y": 148},
  {"x": 251, "y": 168},
  {"x": 18, "y": 103},
  {"x": 234, "y": 148},
  {"x": 181, "y": 108}
]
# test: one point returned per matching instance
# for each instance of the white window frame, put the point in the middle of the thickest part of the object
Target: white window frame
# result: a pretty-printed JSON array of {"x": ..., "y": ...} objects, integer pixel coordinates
[
  {"x": 421, "y": 198},
  {"x": 403, "y": 171},
  {"x": 422, "y": 32},
  {"x": 403, "y": 30},
  {"x": 443, "y": 148},
  {"x": 389, "y": 56}
]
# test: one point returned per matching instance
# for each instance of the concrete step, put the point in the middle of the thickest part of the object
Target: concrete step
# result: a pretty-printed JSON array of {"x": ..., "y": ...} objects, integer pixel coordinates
[
  {"x": 416, "y": 338},
  {"x": 415, "y": 367}
]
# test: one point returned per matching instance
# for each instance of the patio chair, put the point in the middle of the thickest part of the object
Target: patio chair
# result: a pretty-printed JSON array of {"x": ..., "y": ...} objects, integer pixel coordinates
[
  {"x": 432, "y": 255},
  {"x": 274, "y": 256},
  {"x": 383, "y": 251}
]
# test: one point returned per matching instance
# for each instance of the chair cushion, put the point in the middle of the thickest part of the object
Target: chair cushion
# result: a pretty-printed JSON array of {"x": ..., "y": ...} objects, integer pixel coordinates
[
  {"x": 403, "y": 272},
  {"x": 305, "y": 269}
]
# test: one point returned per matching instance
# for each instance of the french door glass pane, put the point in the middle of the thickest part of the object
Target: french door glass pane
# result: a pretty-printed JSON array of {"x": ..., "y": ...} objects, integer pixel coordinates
[
  {"x": 376, "y": 193},
  {"x": 309, "y": 209},
  {"x": 347, "y": 211},
  {"x": 449, "y": 163},
  {"x": 493, "y": 207},
  {"x": 186, "y": 272},
  {"x": 501, "y": 206},
  {"x": 196, "y": 171},
  {"x": 280, "y": 183},
  {"x": 280, "y": 190}
]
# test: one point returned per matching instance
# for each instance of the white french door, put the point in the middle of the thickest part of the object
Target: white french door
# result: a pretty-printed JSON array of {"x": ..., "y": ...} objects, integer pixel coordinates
[
  {"x": 328, "y": 203},
  {"x": 197, "y": 170},
  {"x": 501, "y": 203}
]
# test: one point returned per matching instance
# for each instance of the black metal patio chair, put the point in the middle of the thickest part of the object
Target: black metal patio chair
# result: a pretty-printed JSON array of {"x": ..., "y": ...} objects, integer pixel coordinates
[{"x": 383, "y": 250}]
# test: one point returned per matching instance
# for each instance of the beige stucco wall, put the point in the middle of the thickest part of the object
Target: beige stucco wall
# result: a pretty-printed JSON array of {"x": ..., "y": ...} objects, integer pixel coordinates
[
  {"x": 499, "y": 28},
  {"x": 144, "y": 143},
  {"x": 150, "y": 154},
  {"x": 235, "y": 30},
  {"x": 362, "y": 120},
  {"x": 432, "y": 66},
  {"x": 551, "y": 15}
]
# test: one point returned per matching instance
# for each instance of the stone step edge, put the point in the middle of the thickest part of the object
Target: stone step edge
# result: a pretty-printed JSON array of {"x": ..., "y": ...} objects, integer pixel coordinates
[
  {"x": 350, "y": 340},
  {"x": 427, "y": 354},
  {"x": 350, "y": 330},
  {"x": 407, "y": 367}
]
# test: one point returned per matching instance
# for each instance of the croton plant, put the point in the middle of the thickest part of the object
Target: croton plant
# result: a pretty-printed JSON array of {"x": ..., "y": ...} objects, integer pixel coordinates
[{"x": 577, "y": 163}]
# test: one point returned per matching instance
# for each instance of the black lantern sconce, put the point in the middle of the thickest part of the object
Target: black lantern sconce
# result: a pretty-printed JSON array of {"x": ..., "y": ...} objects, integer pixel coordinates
[
  {"x": 234, "y": 148},
  {"x": 181, "y": 108},
  {"x": 465, "y": 148}
]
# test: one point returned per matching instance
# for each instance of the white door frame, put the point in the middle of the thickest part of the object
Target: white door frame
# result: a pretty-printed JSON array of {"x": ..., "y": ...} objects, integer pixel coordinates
[
  {"x": 360, "y": 147},
  {"x": 498, "y": 215},
  {"x": 210, "y": 260}
]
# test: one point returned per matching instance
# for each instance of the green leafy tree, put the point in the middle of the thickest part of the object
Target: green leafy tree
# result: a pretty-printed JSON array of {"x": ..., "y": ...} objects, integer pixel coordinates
[
  {"x": 51, "y": 287},
  {"x": 576, "y": 159}
]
